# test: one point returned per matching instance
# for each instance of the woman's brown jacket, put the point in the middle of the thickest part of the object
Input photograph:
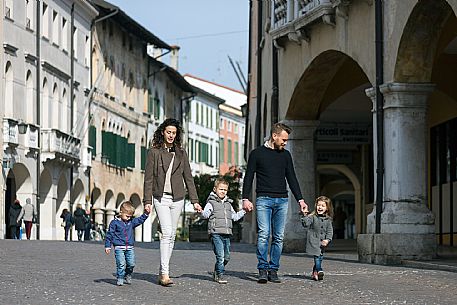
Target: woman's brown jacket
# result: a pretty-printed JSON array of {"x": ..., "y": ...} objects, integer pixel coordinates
[{"x": 157, "y": 164}]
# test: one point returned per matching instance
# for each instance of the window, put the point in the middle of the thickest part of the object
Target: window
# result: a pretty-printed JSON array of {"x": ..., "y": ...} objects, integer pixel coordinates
[
  {"x": 29, "y": 97},
  {"x": 9, "y": 90},
  {"x": 55, "y": 28},
  {"x": 221, "y": 150},
  {"x": 45, "y": 15},
  {"x": 75, "y": 43},
  {"x": 229, "y": 152},
  {"x": 29, "y": 14},
  {"x": 9, "y": 9},
  {"x": 236, "y": 161},
  {"x": 87, "y": 52},
  {"x": 93, "y": 140},
  {"x": 64, "y": 34}
]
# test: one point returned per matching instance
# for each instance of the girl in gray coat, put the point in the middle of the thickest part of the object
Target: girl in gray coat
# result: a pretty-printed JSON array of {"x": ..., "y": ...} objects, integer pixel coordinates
[{"x": 320, "y": 232}]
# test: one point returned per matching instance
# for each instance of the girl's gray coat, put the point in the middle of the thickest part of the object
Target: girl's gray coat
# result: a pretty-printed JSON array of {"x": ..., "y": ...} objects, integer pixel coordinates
[{"x": 319, "y": 228}]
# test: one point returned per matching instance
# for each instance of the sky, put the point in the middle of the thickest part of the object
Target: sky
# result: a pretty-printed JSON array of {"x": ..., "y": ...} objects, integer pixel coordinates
[{"x": 207, "y": 31}]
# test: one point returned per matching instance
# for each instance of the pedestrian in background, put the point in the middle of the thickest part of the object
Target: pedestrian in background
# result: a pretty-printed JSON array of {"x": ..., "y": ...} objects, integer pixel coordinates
[
  {"x": 87, "y": 225},
  {"x": 121, "y": 235},
  {"x": 67, "y": 222},
  {"x": 320, "y": 232},
  {"x": 167, "y": 170},
  {"x": 220, "y": 212},
  {"x": 80, "y": 221},
  {"x": 16, "y": 213},
  {"x": 273, "y": 166},
  {"x": 29, "y": 216}
]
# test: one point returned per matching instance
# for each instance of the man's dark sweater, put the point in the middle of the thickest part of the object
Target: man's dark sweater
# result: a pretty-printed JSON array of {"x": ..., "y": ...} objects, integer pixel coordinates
[{"x": 272, "y": 168}]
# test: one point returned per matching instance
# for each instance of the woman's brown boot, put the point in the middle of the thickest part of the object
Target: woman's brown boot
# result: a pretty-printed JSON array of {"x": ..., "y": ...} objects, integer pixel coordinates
[{"x": 165, "y": 280}]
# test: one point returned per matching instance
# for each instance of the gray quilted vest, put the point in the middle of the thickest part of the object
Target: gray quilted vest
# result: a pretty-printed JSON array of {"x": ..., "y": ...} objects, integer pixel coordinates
[{"x": 220, "y": 221}]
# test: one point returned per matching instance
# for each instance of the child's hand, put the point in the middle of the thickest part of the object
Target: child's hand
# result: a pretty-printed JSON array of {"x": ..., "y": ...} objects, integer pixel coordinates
[
  {"x": 107, "y": 250},
  {"x": 324, "y": 243},
  {"x": 304, "y": 210},
  {"x": 247, "y": 209}
]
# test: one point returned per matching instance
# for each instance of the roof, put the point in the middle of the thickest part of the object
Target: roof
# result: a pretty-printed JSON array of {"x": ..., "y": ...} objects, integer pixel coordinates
[
  {"x": 129, "y": 24},
  {"x": 232, "y": 97},
  {"x": 174, "y": 75}
]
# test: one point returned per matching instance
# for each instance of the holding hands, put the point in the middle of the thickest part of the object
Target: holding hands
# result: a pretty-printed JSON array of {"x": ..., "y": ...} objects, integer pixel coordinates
[
  {"x": 197, "y": 207},
  {"x": 247, "y": 205},
  {"x": 148, "y": 208}
]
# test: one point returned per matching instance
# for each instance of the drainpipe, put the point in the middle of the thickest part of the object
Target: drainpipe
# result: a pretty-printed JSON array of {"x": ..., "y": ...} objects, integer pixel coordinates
[
  {"x": 72, "y": 101},
  {"x": 275, "y": 95},
  {"x": 258, "y": 138},
  {"x": 91, "y": 92},
  {"x": 379, "y": 113},
  {"x": 248, "y": 89},
  {"x": 38, "y": 115}
]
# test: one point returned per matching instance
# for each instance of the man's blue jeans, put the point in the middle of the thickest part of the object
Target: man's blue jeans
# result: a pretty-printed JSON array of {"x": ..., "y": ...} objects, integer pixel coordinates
[
  {"x": 271, "y": 215},
  {"x": 221, "y": 247},
  {"x": 318, "y": 263},
  {"x": 125, "y": 262}
]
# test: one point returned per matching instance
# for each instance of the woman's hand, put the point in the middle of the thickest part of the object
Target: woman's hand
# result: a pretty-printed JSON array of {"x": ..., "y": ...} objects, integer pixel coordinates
[{"x": 198, "y": 207}]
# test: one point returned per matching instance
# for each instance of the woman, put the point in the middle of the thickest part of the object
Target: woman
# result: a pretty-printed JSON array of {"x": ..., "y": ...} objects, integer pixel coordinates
[
  {"x": 29, "y": 217},
  {"x": 167, "y": 166},
  {"x": 16, "y": 212},
  {"x": 67, "y": 222},
  {"x": 80, "y": 221}
]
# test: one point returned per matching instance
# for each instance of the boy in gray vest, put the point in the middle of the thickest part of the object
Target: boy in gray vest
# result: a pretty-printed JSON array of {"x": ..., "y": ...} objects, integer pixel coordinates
[{"x": 220, "y": 212}]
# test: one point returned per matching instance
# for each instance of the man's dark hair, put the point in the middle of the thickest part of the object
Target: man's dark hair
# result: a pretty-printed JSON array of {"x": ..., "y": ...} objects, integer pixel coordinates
[{"x": 278, "y": 127}]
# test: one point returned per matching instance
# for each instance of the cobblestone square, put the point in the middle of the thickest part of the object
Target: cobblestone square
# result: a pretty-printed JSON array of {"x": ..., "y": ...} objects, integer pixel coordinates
[{"x": 57, "y": 272}]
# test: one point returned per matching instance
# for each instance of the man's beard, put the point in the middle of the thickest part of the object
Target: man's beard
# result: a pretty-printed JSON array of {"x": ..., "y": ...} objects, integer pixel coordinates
[{"x": 277, "y": 147}]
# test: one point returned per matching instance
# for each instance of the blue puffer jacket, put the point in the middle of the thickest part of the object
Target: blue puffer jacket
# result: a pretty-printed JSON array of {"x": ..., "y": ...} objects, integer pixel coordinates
[{"x": 121, "y": 233}]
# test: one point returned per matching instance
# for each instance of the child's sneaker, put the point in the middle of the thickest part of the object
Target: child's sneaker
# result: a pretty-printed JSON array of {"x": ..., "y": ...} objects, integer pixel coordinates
[
  {"x": 314, "y": 276},
  {"x": 320, "y": 275},
  {"x": 219, "y": 278},
  {"x": 120, "y": 282},
  {"x": 128, "y": 279}
]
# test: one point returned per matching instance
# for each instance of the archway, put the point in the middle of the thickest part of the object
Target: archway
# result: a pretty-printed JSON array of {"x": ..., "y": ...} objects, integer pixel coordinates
[{"x": 339, "y": 183}]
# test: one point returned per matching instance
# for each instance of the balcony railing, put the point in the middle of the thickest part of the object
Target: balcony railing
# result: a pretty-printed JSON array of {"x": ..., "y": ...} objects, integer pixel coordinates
[
  {"x": 56, "y": 144},
  {"x": 294, "y": 15}
]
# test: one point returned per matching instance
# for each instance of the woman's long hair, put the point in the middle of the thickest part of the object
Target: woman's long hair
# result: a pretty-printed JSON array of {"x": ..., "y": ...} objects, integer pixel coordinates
[{"x": 159, "y": 140}]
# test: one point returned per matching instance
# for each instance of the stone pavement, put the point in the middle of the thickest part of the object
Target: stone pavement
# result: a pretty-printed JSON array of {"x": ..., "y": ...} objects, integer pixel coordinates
[{"x": 57, "y": 272}]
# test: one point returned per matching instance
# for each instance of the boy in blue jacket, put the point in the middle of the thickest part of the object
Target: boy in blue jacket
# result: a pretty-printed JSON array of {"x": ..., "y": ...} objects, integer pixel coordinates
[{"x": 121, "y": 235}]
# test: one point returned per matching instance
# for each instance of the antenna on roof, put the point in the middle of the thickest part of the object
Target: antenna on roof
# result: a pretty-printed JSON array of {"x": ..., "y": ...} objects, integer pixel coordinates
[{"x": 239, "y": 74}]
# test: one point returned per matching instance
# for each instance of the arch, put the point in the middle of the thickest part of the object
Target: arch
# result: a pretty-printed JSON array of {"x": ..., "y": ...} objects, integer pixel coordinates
[
  {"x": 120, "y": 198},
  {"x": 9, "y": 91},
  {"x": 65, "y": 110},
  {"x": 419, "y": 42},
  {"x": 45, "y": 186},
  {"x": 97, "y": 201},
  {"x": 110, "y": 202},
  {"x": 55, "y": 107},
  {"x": 136, "y": 201},
  {"x": 311, "y": 97},
  {"x": 62, "y": 201},
  {"x": 347, "y": 172},
  {"x": 45, "y": 105},
  {"x": 24, "y": 185},
  {"x": 78, "y": 194},
  {"x": 29, "y": 105}
]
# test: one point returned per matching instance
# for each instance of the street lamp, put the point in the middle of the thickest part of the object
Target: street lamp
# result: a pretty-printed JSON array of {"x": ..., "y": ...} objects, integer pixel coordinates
[
  {"x": 22, "y": 127},
  {"x": 244, "y": 109}
]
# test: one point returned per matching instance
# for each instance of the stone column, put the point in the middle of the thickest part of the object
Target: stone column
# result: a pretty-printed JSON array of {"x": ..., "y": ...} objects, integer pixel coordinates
[
  {"x": 407, "y": 225},
  {"x": 371, "y": 218},
  {"x": 302, "y": 148},
  {"x": 99, "y": 215},
  {"x": 109, "y": 216}
]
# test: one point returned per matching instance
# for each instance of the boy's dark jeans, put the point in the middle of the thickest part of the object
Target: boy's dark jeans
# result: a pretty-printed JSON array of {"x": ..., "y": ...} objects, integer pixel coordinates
[{"x": 221, "y": 247}]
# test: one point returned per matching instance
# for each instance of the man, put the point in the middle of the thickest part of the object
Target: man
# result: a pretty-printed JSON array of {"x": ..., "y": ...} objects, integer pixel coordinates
[{"x": 272, "y": 165}]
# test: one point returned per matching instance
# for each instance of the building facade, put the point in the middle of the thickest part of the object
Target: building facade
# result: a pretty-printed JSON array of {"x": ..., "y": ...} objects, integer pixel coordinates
[
  {"x": 203, "y": 131},
  {"x": 133, "y": 93},
  {"x": 313, "y": 66},
  {"x": 45, "y": 157}
]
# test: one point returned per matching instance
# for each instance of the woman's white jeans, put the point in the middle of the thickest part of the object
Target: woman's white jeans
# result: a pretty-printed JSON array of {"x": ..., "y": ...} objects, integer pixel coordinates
[{"x": 168, "y": 212}]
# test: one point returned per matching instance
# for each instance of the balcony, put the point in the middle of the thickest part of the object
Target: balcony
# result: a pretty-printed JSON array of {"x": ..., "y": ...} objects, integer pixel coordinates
[
  {"x": 60, "y": 146},
  {"x": 292, "y": 18},
  {"x": 10, "y": 132}
]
